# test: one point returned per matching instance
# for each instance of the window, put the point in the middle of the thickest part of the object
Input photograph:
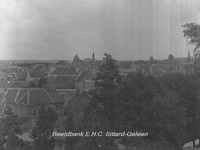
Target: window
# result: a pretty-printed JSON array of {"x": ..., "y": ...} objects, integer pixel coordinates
[
  {"x": 61, "y": 107},
  {"x": 56, "y": 107},
  {"x": 39, "y": 111},
  {"x": 33, "y": 111},
  {"x": 33, "y": 122}
]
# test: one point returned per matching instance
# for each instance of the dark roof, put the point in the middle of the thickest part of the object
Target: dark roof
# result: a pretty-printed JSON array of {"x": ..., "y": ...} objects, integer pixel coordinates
[
  {"x": 82, "y": 76},
  {"x": 39, "y": 96},
  {"x": 35, "y": 74},
  {"x": 71, "y": 71},
  {"x": 50, "y": 79},
  {"x": 64, "y": 79},
  {"x": 57, "y": 71},
  {"x": 33, "y": 96},
  {"x": 57, "y": 98},
  {"x": 64, "y": 70},
  {"x": 11, "y": 94},
  {"x": 125, "y": 65}
]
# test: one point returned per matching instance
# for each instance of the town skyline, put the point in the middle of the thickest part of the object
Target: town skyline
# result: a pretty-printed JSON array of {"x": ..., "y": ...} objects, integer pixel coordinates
[{"x": 127, "y": 30}]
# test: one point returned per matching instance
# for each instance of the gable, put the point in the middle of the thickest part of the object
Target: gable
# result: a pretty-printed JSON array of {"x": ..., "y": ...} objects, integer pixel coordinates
[{"x": 71, "y": 71}]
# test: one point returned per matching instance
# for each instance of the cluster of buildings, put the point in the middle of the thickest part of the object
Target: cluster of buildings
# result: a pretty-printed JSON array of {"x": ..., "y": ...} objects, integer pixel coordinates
[
  {"x": 185, "y": 65},
  {"x": 64, "y": 86}
]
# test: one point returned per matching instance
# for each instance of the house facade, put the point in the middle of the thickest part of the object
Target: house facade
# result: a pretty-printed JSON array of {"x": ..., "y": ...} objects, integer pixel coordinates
[{"x": 26, "y": 103}]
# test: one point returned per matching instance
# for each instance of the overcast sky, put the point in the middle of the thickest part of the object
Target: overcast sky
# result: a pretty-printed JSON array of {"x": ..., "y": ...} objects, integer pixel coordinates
[{"x": 126, "y": 29}]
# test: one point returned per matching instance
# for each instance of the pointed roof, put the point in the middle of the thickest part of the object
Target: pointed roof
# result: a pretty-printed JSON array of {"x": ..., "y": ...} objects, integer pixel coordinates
[
  {"x": 93, "y": 57},
  {"x": 76, "y": 58}
]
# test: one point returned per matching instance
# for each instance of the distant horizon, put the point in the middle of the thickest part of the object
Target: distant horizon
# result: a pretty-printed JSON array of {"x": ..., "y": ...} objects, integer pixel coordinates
[{"x": 40, "y": 60}]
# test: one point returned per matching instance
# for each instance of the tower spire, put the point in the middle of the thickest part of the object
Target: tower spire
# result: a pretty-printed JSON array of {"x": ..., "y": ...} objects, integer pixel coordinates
[
  {"x": 94, "y": 62},
  {"x": 188, "y": 55},
  {"x": 93, "y": 56},
  {"x": 189, "y": 58}
]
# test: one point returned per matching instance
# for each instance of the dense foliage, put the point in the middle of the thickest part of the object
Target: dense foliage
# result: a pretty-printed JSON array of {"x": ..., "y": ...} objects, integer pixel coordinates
[
  {"x": 43, "y": 130},
  {"x": 70, "y": 142},
  {"x": 9, "y": 128},
  {"x": 166, "y": 107},
  {"x": 192, "y": 34}
]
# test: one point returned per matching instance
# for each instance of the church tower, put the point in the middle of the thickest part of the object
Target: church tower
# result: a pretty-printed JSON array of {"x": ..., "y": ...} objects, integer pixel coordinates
[
  {"x": 93, "y": 64},
  {"x": 189, "y": 58},
  {"x": 76, "y": 59},
  {"x": 93, "y": 58}
]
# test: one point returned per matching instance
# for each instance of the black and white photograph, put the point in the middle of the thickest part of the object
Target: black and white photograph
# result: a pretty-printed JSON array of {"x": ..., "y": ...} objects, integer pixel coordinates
[{"x": 100, "y": 75}]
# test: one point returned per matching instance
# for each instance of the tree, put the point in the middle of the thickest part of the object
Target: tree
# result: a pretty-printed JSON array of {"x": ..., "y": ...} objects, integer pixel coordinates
[
  {"x": 12, "y": 140},
  {"x": 170, "y": 57},
  {"x": 70, "y": 142},
  {"x": 102, "y": 112},
  {"x": 8, "y": 122},
  {"x": 192, "y": 34},
  {"x": 25, "y": 146},
  {"x": 43, "y": 130},
  {"x": 151, "y": 105}
]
